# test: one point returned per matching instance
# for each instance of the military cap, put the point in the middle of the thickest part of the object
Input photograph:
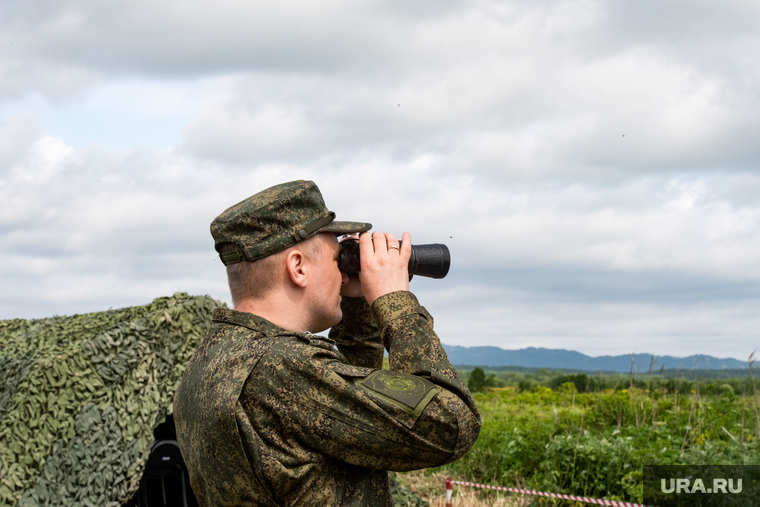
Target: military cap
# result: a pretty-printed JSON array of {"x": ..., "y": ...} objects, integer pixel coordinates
[{"x": 275, "y": 219}]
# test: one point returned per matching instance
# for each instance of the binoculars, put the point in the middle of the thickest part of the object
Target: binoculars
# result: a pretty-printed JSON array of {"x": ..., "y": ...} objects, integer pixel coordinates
[{"x": 432, "y": 260}]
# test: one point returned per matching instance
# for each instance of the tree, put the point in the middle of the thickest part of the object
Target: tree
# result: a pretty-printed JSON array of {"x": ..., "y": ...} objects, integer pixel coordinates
[{"x": 477, "y": 381}]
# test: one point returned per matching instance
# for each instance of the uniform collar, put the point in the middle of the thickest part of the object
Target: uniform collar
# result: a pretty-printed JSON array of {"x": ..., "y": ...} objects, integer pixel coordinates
[
  {"x": 252, "y": 322},
  {"x": 260, "y": 324}
]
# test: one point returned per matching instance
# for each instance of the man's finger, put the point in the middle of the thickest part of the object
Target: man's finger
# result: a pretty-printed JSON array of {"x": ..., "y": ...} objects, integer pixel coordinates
[
  {"x": 392, "y": 242},
  {"x": 406, "y": 246},
  {"x": 366, "y": 248},
  {"x": 378, "y": 240}
]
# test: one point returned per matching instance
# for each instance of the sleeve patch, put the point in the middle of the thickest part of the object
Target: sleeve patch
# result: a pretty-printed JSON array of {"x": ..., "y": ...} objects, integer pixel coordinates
[{"x": 409, "y": 390}]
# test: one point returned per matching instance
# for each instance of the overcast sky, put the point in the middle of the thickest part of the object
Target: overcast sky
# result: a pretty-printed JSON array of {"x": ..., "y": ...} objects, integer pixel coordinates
[{"x": 593, "y": 166}]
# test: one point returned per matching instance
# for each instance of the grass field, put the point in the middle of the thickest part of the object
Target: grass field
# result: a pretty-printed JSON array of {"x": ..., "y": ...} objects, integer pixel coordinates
[{"x": 595, "y": 443}]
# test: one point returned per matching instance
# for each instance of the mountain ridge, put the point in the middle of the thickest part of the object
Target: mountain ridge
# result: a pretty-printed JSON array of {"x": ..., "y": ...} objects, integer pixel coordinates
[{"x": 533, "y": 357}]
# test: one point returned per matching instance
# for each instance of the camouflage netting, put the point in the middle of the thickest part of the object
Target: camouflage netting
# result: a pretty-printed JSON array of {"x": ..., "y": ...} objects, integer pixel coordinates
[{"x": 81, "y": 396}]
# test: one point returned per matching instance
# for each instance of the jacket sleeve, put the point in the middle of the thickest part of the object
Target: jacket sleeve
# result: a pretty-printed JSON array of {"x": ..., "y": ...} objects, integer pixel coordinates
[
  {"x": 356, "y": 335},
  {"x": 419, "y": 414}
]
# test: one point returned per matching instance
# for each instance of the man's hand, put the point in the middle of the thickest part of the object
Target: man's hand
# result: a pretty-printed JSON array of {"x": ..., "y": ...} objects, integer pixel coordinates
[{"x": 384, "y": 265}]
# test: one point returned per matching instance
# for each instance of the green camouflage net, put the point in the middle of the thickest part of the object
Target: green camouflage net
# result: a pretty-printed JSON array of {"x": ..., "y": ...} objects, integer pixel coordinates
[{"x": 81, "y": 396}]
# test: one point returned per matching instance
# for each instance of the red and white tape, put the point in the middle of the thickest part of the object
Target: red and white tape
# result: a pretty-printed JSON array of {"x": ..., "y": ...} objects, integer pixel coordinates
[{"x": 584, "y": 499}]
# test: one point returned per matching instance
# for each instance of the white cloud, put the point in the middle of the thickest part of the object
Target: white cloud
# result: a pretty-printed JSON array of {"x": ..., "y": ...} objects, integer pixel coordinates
[
  {"x": 556, "y": 264},
  {"x": 592, "y": 165}
]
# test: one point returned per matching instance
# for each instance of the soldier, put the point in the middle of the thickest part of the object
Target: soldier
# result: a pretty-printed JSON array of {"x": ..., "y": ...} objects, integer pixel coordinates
[{"x": 268, "y": 413}]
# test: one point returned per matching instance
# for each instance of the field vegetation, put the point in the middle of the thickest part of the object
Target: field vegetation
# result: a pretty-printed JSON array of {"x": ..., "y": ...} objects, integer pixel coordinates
[{"x": 591, "y": 434}]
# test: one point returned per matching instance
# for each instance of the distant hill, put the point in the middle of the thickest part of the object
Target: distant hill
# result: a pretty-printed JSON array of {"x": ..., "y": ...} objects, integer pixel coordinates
[{"x": 532, "y": 357}]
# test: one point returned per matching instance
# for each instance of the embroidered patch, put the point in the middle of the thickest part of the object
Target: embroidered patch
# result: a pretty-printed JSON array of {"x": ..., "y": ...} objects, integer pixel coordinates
[{"x": 407, "y": 389}]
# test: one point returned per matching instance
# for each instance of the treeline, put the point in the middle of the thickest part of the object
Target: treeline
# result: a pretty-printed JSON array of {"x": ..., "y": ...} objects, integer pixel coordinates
[
  {"x": 690, "y": 374},
  {"x": 527, "y": 380}
]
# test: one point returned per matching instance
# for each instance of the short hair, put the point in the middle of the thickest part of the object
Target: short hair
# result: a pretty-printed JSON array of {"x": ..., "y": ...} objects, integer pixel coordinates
[{"x": 253, "y": 280}]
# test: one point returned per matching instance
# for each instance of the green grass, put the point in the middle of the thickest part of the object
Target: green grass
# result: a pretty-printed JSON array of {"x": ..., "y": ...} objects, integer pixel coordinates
[{"x": 595, "y": 444}]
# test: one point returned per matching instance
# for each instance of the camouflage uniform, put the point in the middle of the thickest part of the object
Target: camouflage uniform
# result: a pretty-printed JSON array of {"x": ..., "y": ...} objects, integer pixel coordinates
[{"x": 267, "y": 416}]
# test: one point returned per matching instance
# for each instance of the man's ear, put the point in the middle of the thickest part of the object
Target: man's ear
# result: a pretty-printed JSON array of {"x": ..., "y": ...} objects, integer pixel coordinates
[{"x": 296, "y": 263}]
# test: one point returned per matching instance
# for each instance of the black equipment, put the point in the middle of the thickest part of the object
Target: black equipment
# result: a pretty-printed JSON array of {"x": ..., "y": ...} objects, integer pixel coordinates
[
  {"x": 165, "y": 482},
  {"x": 432, "y": 260}
]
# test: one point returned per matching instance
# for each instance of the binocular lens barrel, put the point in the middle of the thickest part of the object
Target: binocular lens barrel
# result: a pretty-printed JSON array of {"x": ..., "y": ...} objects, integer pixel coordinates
[{"x": 432, "y": 261}]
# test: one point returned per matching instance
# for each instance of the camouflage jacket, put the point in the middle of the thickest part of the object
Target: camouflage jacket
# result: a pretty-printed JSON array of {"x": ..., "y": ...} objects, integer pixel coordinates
[{"x": 272, "y": 417}]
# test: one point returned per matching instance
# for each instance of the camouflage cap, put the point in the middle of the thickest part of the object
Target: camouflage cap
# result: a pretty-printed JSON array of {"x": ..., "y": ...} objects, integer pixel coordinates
[{"x": 275, "y": 219}]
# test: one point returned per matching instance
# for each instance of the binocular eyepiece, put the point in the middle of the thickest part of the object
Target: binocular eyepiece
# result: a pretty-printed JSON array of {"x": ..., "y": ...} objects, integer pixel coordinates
[{"x": 432, "y": 260}]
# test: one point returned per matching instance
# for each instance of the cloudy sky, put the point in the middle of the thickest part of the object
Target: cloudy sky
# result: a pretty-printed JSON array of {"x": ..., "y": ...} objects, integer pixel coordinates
[{"x": 590, "y": 164}]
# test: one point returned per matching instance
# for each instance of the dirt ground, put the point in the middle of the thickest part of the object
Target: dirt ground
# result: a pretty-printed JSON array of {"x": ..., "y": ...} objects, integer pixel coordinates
[{"x": 432, "y": 488}]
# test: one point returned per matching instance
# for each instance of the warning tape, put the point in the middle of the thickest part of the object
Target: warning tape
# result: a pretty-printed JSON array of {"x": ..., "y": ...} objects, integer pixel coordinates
[{"x": 584, "y": 499}]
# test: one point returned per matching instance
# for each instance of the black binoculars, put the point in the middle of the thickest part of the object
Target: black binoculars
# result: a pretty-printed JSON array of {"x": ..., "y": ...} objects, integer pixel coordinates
[{"x": 432, "y": 260}]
